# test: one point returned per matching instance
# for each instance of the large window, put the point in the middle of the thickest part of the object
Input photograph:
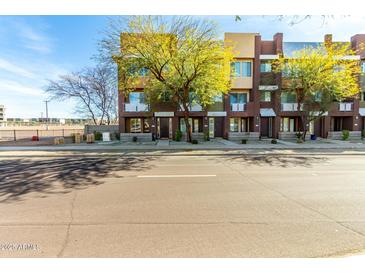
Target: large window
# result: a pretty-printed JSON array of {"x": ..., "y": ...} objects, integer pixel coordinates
[
  {"x": 265, "y": 96},
  {"x": 241, "y": 69},
  {"x": 238, "y": 97},
  {"x": 265, "y": 67},
  {"x": 246, "y": 69},
  {"x": 287, "y": 124},
  {"x": 195, "y": 123},
  {"x": 233, "y": 124},
  {"x": 136, "y": 98},
  {"x": 288, "y": 97},
  {"x": 236, "y": 69},
  {"x": 135, "y": 125}
]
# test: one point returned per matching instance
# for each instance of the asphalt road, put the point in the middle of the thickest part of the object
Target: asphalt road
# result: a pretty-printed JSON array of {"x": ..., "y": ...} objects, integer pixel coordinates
[{"x": 182, "y": 206}]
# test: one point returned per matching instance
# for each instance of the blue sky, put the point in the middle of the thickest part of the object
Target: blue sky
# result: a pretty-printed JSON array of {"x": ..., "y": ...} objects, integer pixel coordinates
[{"x": 36, "y": 48}]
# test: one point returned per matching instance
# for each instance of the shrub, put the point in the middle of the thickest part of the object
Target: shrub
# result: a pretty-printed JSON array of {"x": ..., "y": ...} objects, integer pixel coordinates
[
  {"x": 363, "y": 133},
  {"x": 298, "y": 135},
  {"x": 274, "y": 141},
  {"x": 98, "y": 136},
  {"x": 117, "y": 136},
  {"x": 135, "y": 139},
  {"x": 194, "y": 142},
  {"x": 300, "y": 140},
  {"x": 178, "y": 135},
  {"x": 206, "y": 136},
  {"x": 345, "y": 134},
  {"x": 244, "y": 141}
]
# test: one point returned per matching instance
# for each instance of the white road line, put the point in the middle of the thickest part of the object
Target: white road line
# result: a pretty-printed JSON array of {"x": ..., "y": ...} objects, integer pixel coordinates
[{"x": 175, "y": 176}]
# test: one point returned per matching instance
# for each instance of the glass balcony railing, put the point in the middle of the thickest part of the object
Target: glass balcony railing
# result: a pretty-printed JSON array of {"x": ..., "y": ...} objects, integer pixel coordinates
[
  {"x": 135, "y": 107},
  {"x": 238, "y": 107},
  {"x": 345, "y": 106}
]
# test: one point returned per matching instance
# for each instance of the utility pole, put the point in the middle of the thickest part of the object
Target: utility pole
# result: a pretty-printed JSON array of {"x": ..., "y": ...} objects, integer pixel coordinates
[{"x": 46, "y": 113}]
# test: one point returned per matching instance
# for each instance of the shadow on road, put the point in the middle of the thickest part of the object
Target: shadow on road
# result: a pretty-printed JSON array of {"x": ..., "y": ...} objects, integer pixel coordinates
[
  {"x": 62, "y": 174},
  {"x": 276, "y": 160}
]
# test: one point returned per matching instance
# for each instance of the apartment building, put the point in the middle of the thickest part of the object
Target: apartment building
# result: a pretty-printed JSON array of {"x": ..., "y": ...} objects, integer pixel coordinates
[
  {"x": 2, "y": 116},
  {"x": 256, "y": 106}
]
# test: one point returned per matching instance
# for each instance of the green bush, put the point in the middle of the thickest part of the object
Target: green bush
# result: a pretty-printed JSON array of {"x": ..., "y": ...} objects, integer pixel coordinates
[
  {"x": 274, "y": 141},
  {"x": 345, "y": 134},
  {"x": 98, "y": 136},
  {"x": 194, "y": 142},
  {"x": 244, "y": 141},
  {"x": 363, "y": 133},
  {"x": 178, "y": 135},
  {"x": 117, "y": 136},
  {"x": 206, "y": 136},
  {"x": 300, "y": 140},
  {"x": 298, "y": 135}
]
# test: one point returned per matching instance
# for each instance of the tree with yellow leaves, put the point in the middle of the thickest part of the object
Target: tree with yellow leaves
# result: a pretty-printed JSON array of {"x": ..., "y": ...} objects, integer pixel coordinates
[
  {"x": 184, "y": 57},
  {"x": 318, "y": 77}
]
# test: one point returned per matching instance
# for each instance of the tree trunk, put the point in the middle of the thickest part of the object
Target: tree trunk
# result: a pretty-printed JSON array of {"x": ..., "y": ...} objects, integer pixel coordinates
[{"x": 187, "y": 123}]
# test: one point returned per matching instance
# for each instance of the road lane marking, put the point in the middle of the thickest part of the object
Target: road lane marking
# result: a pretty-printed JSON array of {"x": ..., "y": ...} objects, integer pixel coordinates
[{"x": 175, "y": 176}]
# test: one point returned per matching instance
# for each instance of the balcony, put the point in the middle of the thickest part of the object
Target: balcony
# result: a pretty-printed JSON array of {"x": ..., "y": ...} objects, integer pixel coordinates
[
  {"x": 135, "y": 107},
  {"x": 193, "y": 107},
  {"x": 290, "y": 107},
  {"x": 238, "y": 107},
  {"x": 345, "y": 106}
]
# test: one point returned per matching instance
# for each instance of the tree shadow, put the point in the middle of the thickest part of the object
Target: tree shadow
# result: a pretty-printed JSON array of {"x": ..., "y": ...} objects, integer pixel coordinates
[
  {"x": 62, "y": 174},
  {"x": 277, "y": 160}
]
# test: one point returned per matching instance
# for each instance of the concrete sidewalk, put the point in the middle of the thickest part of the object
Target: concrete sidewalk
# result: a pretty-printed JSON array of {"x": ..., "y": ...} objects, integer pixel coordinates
[{"x": 179, "y": 146}]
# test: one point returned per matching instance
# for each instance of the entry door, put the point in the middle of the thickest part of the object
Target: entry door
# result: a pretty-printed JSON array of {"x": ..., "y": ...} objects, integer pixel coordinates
[
  {"x": 264, "y": 126},
  {"x": 164, "y": 128},
  {"x": 218, "y": 126}
]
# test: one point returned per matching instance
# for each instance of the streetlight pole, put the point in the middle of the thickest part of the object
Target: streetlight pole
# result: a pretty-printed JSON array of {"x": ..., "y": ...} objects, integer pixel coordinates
[{"x": 46, "y": 113}]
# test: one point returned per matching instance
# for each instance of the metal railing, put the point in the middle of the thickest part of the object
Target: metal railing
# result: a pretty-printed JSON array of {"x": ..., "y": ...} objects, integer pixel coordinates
[
  {"x": 135, "y": 107},
  {"x": 193, "y": 107},
  {"x": 238, "y": 107},
  {"x": 290, "y": 107},
  {"x": 345, "y": 106},
  {"x": 27, "y": 134}
]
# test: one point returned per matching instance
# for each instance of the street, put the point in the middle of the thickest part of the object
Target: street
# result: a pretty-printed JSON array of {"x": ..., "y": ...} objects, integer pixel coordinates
[{"x": 181, "y": 205}]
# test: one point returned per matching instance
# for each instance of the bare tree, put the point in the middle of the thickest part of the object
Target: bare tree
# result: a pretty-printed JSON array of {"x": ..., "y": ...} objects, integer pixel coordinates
[{"x": 93, "y": 88}]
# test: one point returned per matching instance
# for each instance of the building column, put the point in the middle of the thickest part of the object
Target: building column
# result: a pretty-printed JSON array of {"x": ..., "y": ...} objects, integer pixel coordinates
[
  {"x": 205, "y": 125},
  {"x": 121, "y": 124}
]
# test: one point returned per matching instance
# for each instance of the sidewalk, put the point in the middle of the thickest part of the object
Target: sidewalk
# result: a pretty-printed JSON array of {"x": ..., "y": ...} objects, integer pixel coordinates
[{"x": 217, "y": 145}]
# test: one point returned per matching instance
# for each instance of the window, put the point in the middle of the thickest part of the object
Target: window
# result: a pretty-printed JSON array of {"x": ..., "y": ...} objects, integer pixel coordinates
[
  {"x": 288, "y": 97},
  {"x": 218, "y": 99},
  {"x": 265, "y": 67},
  {"x": 246, "y": 69},
  {"x": 241, "y": 69},
  {"x": 146, "y": 126},
  {"x": 165, "y": 96},
  {"x": 135, "y": 125},
  {"x": 233, "y": 124},
  {"x": 318, "y": 96},
  {"x": 238, "y": 98},
  {"x": 244, "y": 125},
  {"x": 196, "y": 125},
  {"x": 236, "y": 69},
  {"x": 136, "y": 98},
  {"x": 143, "y": 72},
  {"x": 287, "y": 124},
  {"x": 363, "y": 67},
  {"x": 182, "y": 124},
  {"x": 265, "y": 96}
]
